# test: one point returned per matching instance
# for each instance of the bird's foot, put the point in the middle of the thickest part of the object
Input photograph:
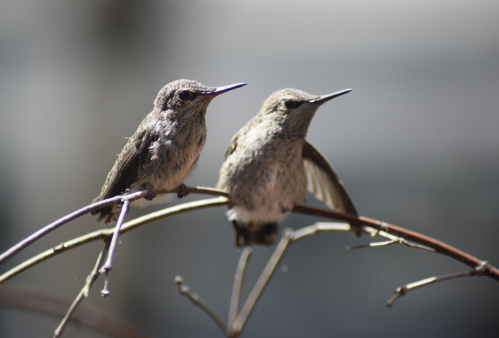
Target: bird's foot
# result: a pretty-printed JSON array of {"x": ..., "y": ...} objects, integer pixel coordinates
[
  {"x": 150, "y": 193},
  {"x": 182, "y": 191}
]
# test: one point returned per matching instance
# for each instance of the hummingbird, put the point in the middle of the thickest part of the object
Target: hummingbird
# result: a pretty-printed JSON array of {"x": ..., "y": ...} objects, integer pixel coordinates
[
  {"x": 269, "y": 166},
  {"x": 165, "y": 148}
]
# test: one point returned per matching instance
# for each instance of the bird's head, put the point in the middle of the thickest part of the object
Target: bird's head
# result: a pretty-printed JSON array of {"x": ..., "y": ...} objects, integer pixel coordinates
[
  {"x": 183, "y": 98},
  {"x": 293, "y": 109}
]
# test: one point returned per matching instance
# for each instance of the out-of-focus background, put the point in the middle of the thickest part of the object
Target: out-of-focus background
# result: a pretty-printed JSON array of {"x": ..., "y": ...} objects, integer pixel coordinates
[{"x": 416, "y": 144}]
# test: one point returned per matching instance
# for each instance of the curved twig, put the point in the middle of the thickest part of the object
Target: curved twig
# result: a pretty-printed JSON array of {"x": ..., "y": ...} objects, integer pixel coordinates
[
  {"x": 263, "y": 280},
  {"x": 371, "y": 226},
  {"x": 236, "y": 290},
  {"x": 61, "y": 221},
  {"x": 105, "y": 234},
  {"x": 397, "y": 240},
  {"x": 403, "y": 290},
  {"x": 91, "y": 278},
  {"x": 108, "y": 266},
  {"x": 438, "y": 246},
  {"x": 290, "y": 236},
  {"x": 413, "y": 236},
  {"x": 194, "y": 298},
  {"x": 94, "y": 206}
]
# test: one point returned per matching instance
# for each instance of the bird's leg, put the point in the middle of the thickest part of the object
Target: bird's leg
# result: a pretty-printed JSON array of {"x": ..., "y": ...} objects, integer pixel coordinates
[
  {"x": 150, "y": 193},
  {"x": 182, "y": 191}
]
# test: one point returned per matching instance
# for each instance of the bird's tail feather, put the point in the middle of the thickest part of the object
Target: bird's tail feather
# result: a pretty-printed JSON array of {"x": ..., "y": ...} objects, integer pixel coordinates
[{"x": 260, "y": 234}]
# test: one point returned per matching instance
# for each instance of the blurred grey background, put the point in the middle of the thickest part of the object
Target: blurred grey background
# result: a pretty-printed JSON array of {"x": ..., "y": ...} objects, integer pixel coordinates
[{"x": 416, "y": 144}]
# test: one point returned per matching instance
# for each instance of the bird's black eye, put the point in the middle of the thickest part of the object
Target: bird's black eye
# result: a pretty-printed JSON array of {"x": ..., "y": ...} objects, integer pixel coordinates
[
  {"x": 187, "y": 95},
  {"x": 293, "y": 104}
]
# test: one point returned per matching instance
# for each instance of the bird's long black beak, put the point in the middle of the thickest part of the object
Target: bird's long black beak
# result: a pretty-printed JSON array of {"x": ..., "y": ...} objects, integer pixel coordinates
[
  {"x": 327, "y": 97},
  {"x": 220, "y": 90}
]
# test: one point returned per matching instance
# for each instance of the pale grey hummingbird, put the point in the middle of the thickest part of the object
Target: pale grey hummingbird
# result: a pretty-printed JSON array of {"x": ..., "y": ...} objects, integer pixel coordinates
[
  {"x": 165, "y": 148},
  {"x": 269, "y": 166}
]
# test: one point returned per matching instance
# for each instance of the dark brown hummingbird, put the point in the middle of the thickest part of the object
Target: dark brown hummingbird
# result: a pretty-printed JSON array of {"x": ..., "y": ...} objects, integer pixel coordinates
[
  {"x": 165, "y": 148},
  {"x": 269, "y": 166}
]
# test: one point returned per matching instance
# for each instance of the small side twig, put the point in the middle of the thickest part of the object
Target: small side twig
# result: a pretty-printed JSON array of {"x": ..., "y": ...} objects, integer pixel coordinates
[
  {"x": 397, "y": 240},
  {"x": 108, "y": 266},
  {"x": 288, "y": 236},
  {"x": 184, "y": 291},
  {"x": 236, "y": 290},
  {"x": 91, "y": 278},
  {"x": 436, "y": 245},
  {"x": 105, "y": 234},
  {"x": 318, "y": 227},
  {"x": 105, "y": 290},
  {"x": 263, "y": 280},
  {"x": 61, "y": 221},
  {"x": 371, "y": 226},
  {"x": 94, "y": 206},
  {"x": 403, "y": 290}
]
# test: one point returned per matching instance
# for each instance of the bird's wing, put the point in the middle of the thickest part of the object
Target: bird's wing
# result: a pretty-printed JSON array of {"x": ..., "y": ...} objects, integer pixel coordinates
[
  {"x": 323, "y": 182},
  {"x": 232, "y": 146},
  {"x": 129, "y": 164}
]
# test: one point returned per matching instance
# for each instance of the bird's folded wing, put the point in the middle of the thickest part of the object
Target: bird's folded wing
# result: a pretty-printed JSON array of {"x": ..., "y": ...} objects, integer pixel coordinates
[
  {"x": 130, "y": 162},
  {"x": 323, "y": 182},
  {"x": 232, "y": 146}
]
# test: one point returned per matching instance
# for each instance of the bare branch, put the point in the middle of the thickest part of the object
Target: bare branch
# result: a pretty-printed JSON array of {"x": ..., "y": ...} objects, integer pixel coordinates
[
  {"x": 105, "y": 290},
  {"x": 389, "y": 229},
  {"x": 105, "y": 234},
  {"x": 92, "y": 277},
  {"x": 288, "y": 236},
  {"x": 94, "y": 206},
  {"x": 108, "y": 266},
  {"x": 184, "y": 290},
  {"x": 403, "y": 290},
  {"x": 61, "y": 221},
  {"x": 371, "y": 245},
  {"x": 373, "y": 227},
  {"x": 318, "y": 227},
  {"x": 236, "y": 290},
  {"x": 263, "y": 280},
  {"x": 390, "y": 242},
  {"x": 436, "y": 245},
  {"x": 291, "y": 236}
]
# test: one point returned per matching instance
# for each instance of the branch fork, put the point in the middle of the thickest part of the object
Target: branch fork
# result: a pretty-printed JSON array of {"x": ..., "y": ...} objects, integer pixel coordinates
[{"x": 237, "y": 318}]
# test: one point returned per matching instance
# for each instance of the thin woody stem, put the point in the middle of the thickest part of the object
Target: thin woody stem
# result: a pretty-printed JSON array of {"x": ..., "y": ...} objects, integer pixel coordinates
[
  {"x": 415, "y": 237},
  {"x": 194, "y": 298},
  {"x": 61, "y": 221},
  {"x": 114, "y": 241},
  {"x": 236, "y": 290},
  {"x": 390, "y": 242},
  {"x": 287, "y": 238},
  {"x": 92, "y": 277},
  {"x": 372, "y": 245},
  {"x": 95, "y": 206},
  {"x": 105, "y": 290},
  {"x": 105, "y": 234},
  {"x": 403, "y": 290},
  {"x": 291, "y": 236},
  {"x": 262, "y": 280},
  {"x": 438, "y": 246},
  {"x": 371, "y": 226},
  {"x": 317, "y": 227}
]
